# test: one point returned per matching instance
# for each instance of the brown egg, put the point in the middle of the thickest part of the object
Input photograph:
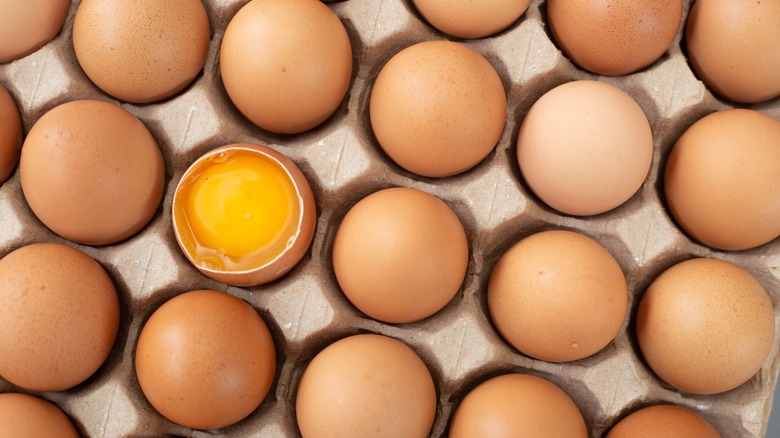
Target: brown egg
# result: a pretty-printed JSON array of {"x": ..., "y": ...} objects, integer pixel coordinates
[
  {"x": 92, "y": 172},
  {"x": 514, "y": 405},
  {"x": 663, "y": 421},
  {"x": 23, "y": 415},
  {"x": 205, "y": 359},
  {"x": 59, "y": 313},
  {"x": 366, "y": 385},
  {"x": 614, "y": 37},
  {"x": 585, "y": 147},
  {"x": 141, "y": 50},
  {"x": 400, "y": 255},
  {"x": 10, "y": 134},
  {"x": 733, "y": 47},
  {"x": 438, "y": 108},
  {"x": 557, "y": 296},
  {"x": 722, "y": 180},
  {"x": 286, "y": 64},
  {"x": 705, "y": 326},
  {"x": 26, "y": 26},
  {"x": 471, "y": 19},
  {"x": 244, "y": 214}
]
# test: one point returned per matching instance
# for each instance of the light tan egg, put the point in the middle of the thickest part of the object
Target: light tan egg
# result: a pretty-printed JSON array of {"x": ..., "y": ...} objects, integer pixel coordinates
[
  {"x": 471, "y": 19},
  {"x": 205, "y": 359},
  {"x": 585, "y": 147},
  {"x": 614, "y": 37},
  {"x": 286, "y": 64},
  {"x": 141, "y": 50},
  {"x": 734, "y": 47},
  {"x": 366, "y": 385},
  {"x": 663, "y": 421},
  {"x": 10, "y": 134},
  {"x": 26, "y": 26},
  {"x": 722, "y": 180},
  {"x": 514, "y": 405},
  {"x": 705, "y": 326},
  {"x": 557, "y": 296},
  {"x": 92, "y": 172},
  {"x": 400, "y": 255},
  {"x": 437, "y": 108},
  {"x": 24, "y": 415},
  {"x": 59, "y": 317}
]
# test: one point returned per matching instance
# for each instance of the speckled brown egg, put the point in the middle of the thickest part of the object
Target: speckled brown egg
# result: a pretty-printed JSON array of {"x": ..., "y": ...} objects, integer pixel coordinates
[
  {"x": 517, "y": 405},
  {"x": 205, "y": 359},
  {"x": 437, "y": 108},
  {"x": 26, "y": 26},
  {"x": 734, "y": 47},
  {"x": 705, "y": 326},
  {"x": 10, "y": 134},
  {"x": 722, "y": 180},
  {"x": 471, "y": 19},
  {"x": 366, "y": 385},
  {"x": 59, "y": 317},
  {"x": 24, "y": 415},
  {"x": 286, "y": 64},
  {"x": 614, "y": 37},
  {"x": 400, "y": 255},
  {"x": 92, "y": 172},
  {"x": 141, "y": 50},
  {"x": 557, "y": 296},
  {"x": 585, "y": 147},
  {"x": 663, "y": 421}
]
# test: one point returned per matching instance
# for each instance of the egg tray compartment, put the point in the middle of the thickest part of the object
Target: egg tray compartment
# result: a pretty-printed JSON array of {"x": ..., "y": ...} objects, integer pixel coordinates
[{"x": 305, "y": 309}]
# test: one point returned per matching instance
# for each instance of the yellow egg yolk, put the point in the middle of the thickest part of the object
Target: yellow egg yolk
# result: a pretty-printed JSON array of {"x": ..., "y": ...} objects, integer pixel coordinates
[{"x": 238, "y": 211}]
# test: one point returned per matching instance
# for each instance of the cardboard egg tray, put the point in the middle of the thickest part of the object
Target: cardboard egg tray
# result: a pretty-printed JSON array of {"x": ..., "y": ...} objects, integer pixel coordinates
[{"x": 343, "y": 162}]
